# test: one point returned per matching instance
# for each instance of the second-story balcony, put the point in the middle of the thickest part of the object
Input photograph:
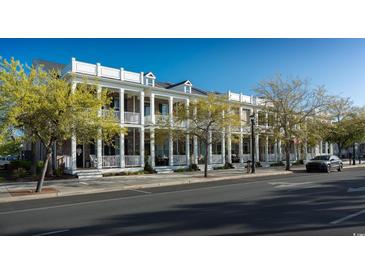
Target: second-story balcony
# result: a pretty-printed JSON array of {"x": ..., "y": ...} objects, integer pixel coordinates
[
  {"x": 132, "y": 117},
  {"x": 107, "y": 112}
]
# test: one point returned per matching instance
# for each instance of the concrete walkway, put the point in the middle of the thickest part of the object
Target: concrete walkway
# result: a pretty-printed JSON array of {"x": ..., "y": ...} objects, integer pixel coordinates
[{"x": 77, "y": 187}]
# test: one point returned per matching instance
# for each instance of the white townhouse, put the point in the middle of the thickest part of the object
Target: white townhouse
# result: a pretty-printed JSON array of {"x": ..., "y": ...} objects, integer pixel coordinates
[{"x": 138, "y": 100}]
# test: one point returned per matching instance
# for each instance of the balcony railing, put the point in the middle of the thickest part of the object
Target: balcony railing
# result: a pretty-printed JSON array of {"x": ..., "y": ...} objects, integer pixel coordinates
[
  {"x": 272, "y": 158},
  {"x": 179, "y": 160},
  {"x": 132, "y": 160},
  {"x": 132, "y": 117},
  {"x": 106, "y": 112},
  {"x": 217, "y": 159},
  {"x": 111, "y": 161}
]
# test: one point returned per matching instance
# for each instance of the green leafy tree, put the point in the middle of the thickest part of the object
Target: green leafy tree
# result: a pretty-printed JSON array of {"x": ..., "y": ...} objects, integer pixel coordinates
[
  {"x": 208, "y": 117},
  {"x": 292, "y": 103},
  {"x": 45, "y": 108}
]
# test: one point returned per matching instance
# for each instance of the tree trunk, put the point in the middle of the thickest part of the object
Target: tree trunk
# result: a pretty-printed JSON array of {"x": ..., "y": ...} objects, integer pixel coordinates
[
  {"x": 206, "y": 160},
  {"x": 353, "y": 155},
  {"x": 287, "y": 157},
  {"x": 50, "y": 166},
  {"x": 33, "y": 168},
  {"x": 41, "y": 180}
]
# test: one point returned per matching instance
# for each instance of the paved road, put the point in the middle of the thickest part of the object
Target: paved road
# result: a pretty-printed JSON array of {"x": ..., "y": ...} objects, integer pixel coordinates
[{"x": 297, "y": 204}]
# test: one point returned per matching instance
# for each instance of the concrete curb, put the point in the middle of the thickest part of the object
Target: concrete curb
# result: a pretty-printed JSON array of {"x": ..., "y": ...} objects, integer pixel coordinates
[{"x": 183, "y": 181}]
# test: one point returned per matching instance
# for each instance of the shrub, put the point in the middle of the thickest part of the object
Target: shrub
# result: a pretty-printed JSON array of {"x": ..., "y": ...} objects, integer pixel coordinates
[
  {"x": 58, "y": 171},
  {"x": 299, "y": 162},
  {"x": 228, "y": 166},
  {"x": 20, "y": 164},
  {"x": 19, "y": 172},
  {"x": 148, "y": 168},
  {"x": 194, "y": 167},
  {"x": 39, "y": 167},
  {"x": 180, "y": 170},
  {"x": 277, "y": 164}
]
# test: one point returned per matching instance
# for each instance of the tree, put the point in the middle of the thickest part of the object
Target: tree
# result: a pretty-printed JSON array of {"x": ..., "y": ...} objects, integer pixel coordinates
[
  {"x": 292, "y": 103},
  {"x": 206, "y": 116},
  {"x": 347, "y": 130},
  {"x": 341, "y": 111},
  {"x": 45, "y": 108}
]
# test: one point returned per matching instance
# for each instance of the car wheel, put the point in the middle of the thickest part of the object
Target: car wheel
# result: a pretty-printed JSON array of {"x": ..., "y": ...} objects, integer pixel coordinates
[
  {"x": 340, "y": 168},
  {"x": 328, "y": 169}
]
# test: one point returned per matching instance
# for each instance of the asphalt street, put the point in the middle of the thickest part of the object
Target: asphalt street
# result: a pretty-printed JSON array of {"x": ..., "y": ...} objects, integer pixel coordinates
[{"x": 295, "y": 204}]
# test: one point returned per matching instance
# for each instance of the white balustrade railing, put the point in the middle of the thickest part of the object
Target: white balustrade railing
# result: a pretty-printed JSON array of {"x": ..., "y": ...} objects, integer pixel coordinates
[
  {"x": 109, "y": 72},
  {"x": 132, "y": 160},
  {"x": 116, "y": 113},
  {"x": 132, "y": 76},
  {"x": 179, "y": 160},
  {"x": 246, "y": 157},
  {"x": 217, "y": 159},
  {"x": 132, "y": 117},
  {"x": 148, "y": 120},
  {"x": 85, "y": 68},
  {"x": 111, "y": 161},
  {"x": 161, "y": 118},
  {"x": 272, "y": 158}
]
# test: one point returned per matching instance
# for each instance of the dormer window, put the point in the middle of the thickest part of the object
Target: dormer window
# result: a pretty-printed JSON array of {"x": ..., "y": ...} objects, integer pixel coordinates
[
  {"x": 187, "y": 86},
  {"x": 150, "y": 79}
]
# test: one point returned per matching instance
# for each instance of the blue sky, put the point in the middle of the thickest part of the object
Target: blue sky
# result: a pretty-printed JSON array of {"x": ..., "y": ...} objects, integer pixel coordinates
[{"x": 214, "y": 64}]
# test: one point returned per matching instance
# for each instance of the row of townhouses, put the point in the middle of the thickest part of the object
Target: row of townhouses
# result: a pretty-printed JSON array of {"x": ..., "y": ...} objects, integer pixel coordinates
[{"x": 139, "y": 100}]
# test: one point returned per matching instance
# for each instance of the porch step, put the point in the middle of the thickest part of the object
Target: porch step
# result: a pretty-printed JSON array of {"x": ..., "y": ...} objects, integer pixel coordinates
[
  {"x": 163, "y": 170},
  {"x": 89, "y": 174}
]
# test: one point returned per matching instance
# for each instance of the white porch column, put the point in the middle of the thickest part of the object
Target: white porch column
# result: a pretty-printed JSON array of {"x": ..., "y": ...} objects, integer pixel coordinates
[
  {"x": 73, "y": 153},
  {"x": 210, "y": 148},
  {"x": 141, "y": 107},
  {"x": 276, "y": 150},
  {"x": 99, "y": 153},
  {"x": 331, "y": 148},
  {"x": 195, "y": 139},
  {"x": 326, "y": 147},
  {"x": 73, "y": 138},
  {"x": 317, "y": 150},
  {"x": 279, "y": 151},
  {"x": 240, "y": 148},
  {"x": 141, "y": 145},
  {"x": 295, "y": 151},
  {"x": 171, "y": 149},
  {"x": 320, "y": 147},
  {"x": 229, "y": 146},
  {"x": 121, "y": 151},
  {"x": 99, "y": 148},
  {"x": 266, "y": 149},
  {"x": 187, "y": 149},
  {"x": 171, "y": 109},
  {"x": 223, "y": 147},
  {"x": 152, "y": 146},
  {"x": 305, "y": 148},
  {"x": 187, "y": 136},
  {"x": 257, "y": 148},
  {"x": 152, "y": 106},
  {"x": 121, "y": 105}
]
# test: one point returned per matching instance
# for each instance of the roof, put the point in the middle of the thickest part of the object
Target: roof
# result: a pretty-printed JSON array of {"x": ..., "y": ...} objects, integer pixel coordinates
[
  {"x": 169, "y": 85},
  {"x": 47, "y": 65}
]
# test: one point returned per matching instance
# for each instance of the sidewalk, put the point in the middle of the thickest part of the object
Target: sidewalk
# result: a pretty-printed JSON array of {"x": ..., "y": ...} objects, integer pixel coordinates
[{"x": 10, "y": 191}]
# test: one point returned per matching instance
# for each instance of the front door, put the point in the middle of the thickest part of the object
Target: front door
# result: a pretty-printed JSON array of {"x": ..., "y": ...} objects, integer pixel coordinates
[{"x": 80, "y": 156}]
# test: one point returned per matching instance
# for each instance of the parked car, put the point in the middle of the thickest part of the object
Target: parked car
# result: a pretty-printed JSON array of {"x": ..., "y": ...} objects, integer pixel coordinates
[
  {"x": 324, "y": 163},
  {"x": 4, "y": 161}
]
